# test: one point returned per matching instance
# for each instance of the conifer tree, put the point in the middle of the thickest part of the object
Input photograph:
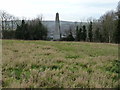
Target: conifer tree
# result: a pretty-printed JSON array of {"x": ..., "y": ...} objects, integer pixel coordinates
[
  {"x": 90, "y": 34},
  {"x": 84, "y": 34}
]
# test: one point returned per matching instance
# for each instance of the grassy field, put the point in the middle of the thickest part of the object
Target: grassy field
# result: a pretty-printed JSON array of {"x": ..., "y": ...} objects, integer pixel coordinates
[{"x": 51, "y": 64}]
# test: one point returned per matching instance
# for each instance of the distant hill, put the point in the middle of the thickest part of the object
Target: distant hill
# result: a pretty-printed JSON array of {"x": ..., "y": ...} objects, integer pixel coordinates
[{"x": 64, "y": 26}]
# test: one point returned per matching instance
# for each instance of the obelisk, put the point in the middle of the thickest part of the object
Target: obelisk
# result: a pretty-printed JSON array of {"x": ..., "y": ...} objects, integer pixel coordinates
[{"x": 57, "y": 33}]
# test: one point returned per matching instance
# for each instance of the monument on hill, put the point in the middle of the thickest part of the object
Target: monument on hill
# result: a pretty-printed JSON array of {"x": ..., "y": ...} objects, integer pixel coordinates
[{"x": 57, "y": 33}]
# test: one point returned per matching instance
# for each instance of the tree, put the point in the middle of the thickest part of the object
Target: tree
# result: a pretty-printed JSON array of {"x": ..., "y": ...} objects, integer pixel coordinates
[
  {"x": 117, "y": 32},
  {"x": 90, "y": 33},
  {"x": 108, "y": 21},
  {"x": 3, "y": 18},
  {"x": 70, "y": 37},
  {"x": 34, "y": 30},
  {"x": 7, "y": 25},
  {"x": 97, "y": 35},
  {"x": 40, "y": 32},
  {"x": 80, "y": 34},
  {"x": 20, "y": 30},
  {"x": 77, "y": 34},
  {"x": 84, "y": 33}
]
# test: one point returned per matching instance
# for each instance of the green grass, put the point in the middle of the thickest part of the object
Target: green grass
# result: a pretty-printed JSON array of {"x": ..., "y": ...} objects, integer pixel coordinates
[{"x": 51, "y": 64}]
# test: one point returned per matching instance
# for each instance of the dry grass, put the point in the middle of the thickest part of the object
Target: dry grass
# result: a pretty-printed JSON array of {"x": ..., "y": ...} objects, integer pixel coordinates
[{"x": 59, "y": 64}]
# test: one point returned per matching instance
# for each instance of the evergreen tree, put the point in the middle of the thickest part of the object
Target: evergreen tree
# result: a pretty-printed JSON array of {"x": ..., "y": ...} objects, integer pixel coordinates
[
  {"x": 84, "y": 34},
  {"x": 70, "y": 37},
  {"x": 80, "y": 34},
  {"x": 40, "y": 32},
  {"x": 77, "y": 34},
  {"x": 18, "y": 33},
  {"x": 90, "y": 34},
  {"x": 33, "y": 31}
]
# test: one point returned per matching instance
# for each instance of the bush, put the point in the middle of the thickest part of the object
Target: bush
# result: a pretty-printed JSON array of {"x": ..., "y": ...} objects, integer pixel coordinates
[{"x": 8, "y": 34}]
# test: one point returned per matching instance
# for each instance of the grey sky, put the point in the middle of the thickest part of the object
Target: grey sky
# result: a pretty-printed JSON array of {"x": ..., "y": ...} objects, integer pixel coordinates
[{"x": 69, "y": 10}]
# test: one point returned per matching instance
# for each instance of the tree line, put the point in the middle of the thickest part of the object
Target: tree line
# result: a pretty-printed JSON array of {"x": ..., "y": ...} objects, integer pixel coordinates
[
  {"x": 104, "y": 29},
  {"x": 13, "y": 28}
]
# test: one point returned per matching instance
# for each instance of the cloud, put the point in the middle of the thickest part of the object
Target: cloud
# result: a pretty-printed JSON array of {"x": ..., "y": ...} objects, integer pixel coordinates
[{"x": 68, "y": 9}]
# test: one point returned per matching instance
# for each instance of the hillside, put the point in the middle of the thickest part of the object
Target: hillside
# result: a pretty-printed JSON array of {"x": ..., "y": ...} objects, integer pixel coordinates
[{"x": 59, "y": 64}]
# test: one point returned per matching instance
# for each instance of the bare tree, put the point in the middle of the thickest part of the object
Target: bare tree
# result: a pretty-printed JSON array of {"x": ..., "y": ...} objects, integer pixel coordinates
[
  {"x": 6, "y": 18},
  {"x": 3, "y": 18},
  {"x": 108, "y": 25},
  {"x": 118, "y": 7}
]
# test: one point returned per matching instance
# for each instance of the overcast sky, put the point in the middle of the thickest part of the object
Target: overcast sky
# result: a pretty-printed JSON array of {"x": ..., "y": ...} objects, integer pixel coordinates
[{"x": 69, "y": 10}]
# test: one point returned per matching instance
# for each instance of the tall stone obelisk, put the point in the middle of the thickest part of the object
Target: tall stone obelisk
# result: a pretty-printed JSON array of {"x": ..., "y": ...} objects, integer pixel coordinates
[{"x": 57, "y": 33}]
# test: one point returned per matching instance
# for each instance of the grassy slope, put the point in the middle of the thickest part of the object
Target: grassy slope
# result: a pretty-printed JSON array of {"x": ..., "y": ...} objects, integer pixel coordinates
[{"x": 59, "y": 64}]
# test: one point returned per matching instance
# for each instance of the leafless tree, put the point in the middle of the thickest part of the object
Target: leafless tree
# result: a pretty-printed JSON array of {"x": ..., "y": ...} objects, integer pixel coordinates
[
  {"x": 107, "y": 21},
  {"x": 3, "y": 18}
]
